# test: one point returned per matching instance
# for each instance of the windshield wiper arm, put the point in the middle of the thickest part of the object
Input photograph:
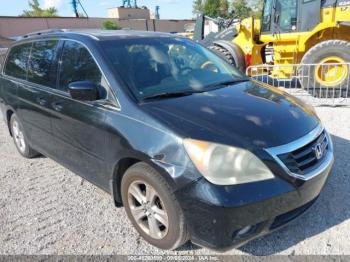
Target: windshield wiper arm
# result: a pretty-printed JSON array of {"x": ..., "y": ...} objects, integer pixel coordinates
[
  {"x": 229, "y": 82},
  {"x": 169, "y": 95},
  {"x": 188, "y": 93}
]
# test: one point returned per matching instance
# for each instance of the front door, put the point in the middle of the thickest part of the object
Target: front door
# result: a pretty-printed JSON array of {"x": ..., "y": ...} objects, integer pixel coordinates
[{"x": 78, "y": 126}]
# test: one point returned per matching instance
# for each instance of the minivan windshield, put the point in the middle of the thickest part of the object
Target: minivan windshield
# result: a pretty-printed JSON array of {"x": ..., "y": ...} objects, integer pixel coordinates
[{"x": 164, "y": 66}]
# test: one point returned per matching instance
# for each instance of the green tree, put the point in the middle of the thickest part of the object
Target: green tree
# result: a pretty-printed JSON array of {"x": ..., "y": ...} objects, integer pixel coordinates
[
  {"x": 257, "y": 6},
  {"x": 37, "y": 11},
  {"x": 224, "y": 8},
  {"x": 212, "y": 8},
  {"x": 241, "y": 9},
  {"x": 110, "y": 25},
  {"x": 198, "y": 7}
]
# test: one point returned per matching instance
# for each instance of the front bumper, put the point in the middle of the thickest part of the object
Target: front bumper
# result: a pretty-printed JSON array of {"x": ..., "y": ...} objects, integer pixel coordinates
[{"x": 223, "y": 217}]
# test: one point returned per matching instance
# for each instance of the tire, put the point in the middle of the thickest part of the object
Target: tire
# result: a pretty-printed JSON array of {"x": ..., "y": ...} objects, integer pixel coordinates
[
  {"x": 142, "y": 178},
  {"x": 223, "y": 53},
  {"x": 20, "y": 139},
  {"x": 239, "y": 63},
  {"x": 312, "y": 78}
]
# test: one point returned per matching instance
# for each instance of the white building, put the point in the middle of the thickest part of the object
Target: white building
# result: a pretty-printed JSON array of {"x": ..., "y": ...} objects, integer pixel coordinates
[{"x": 128, "y": 13}]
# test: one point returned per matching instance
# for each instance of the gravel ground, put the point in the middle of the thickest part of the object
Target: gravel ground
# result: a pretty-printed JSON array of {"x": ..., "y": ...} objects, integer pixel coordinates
[{"x": 45, "y": 209}]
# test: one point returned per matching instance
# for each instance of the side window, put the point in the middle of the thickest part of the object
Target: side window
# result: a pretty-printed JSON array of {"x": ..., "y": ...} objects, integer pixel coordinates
[
  {"x": 287, "y": 11},
  {"x": 77, "y": 64},
  {"x": 17, "y": 61},
  {"x": 42, "y": 65},
  {"x": 266, "y": 17}
]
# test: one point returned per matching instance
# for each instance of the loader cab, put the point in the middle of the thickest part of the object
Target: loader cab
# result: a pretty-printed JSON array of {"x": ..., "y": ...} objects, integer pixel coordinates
[{"x": 289, "y": 16}]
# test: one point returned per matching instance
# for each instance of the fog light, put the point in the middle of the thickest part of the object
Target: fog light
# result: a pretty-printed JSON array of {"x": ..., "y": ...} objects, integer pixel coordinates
[{"x": 244, "y": 231}]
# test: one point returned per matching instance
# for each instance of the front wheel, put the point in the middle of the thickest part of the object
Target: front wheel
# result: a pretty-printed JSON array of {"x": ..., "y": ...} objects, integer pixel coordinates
[
  {"x": 325, "y": 70},
  {"x": 152, "y": 208}
]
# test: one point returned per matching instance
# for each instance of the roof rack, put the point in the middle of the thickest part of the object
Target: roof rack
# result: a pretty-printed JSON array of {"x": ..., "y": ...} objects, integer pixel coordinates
[
  {"x": 53, "y": 31},
  {"x": 43, "y": 32}
]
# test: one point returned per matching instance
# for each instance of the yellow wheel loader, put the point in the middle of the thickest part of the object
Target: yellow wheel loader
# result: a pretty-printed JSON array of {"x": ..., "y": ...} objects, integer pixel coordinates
[{"x": 291, "y": 32}]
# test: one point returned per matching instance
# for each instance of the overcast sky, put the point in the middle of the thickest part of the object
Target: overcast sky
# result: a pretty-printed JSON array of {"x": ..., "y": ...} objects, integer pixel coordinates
[{"x": 169, "y": 9}]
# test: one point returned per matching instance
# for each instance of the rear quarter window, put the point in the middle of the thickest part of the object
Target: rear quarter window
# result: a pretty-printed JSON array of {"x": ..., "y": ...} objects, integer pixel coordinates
[{"x": 17, "y": 61}]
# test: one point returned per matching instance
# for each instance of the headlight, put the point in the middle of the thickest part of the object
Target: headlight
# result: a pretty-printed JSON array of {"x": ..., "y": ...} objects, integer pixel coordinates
[{"x": 225, "y": 165}]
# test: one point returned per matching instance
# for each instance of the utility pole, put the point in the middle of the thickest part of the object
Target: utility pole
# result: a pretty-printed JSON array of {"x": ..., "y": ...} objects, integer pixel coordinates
[
  {"x": 75, "y": 8},
  {"x": 127, "y": 3},
  {"x": 75, "y": 4},
  {"x": 157, "y": 15}
]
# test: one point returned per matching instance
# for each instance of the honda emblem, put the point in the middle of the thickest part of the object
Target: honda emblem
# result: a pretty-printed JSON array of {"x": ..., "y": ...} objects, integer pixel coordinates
[{"x": 318, "y": 149}]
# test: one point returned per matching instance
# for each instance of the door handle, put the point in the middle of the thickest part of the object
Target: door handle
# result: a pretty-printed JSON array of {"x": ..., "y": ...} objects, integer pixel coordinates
[
  {"x": 57, "y": 106},
  {"x": 41, "y": 101}
]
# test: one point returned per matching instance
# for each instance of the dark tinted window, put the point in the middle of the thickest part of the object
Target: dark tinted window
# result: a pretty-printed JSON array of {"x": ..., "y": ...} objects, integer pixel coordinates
[
  {"x": 17, "y": 61},
  {"x": 42, "y": 66},
  {"x": 77, "y": 65}
]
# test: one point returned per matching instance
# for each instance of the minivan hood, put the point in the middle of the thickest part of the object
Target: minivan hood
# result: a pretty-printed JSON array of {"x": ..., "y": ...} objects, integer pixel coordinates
[{"x": 244, "y": 114}]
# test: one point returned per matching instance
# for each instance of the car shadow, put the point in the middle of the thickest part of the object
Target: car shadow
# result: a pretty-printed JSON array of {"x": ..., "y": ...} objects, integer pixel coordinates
[
  {"x": 188, "y": 246},
  {"x": 331, "y": 209}
]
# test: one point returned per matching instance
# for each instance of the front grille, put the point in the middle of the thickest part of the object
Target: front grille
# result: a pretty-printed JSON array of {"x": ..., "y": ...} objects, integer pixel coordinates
[{"x": 303, "y": 160}]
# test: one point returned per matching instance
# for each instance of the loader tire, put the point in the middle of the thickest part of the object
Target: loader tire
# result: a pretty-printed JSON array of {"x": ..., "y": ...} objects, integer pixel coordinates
[
  {"x": 323, "y": 78},
  {"x": 228, "y": 57}
]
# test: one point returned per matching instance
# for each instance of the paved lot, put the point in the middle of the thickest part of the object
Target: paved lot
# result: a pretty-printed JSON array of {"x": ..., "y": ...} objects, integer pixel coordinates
[{"x": 44, "y": 209}]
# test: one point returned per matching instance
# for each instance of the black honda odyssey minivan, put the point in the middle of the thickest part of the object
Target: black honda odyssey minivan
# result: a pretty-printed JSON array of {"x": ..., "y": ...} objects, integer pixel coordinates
[{"x": 192, "y": 149}]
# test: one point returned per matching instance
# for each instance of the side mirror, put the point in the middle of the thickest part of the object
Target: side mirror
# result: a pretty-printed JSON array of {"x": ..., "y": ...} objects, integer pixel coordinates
[{"x": 83, "y": 91}]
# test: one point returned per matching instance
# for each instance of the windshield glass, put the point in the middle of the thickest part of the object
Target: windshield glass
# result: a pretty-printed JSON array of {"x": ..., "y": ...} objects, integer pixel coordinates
[{"x": 156, "y": 66}]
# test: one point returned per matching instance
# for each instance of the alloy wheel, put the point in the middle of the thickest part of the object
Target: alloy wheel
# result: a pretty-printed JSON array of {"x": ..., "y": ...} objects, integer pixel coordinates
[
  {"x": 18, "y": 136},
  {"x": 148, "y": 210}
]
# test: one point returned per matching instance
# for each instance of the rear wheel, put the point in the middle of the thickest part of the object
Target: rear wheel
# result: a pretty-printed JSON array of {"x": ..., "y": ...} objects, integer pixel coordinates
[
  {"x": 237, "y": 62},
  {"x": 225, "y": 54},
  {"x": 20, "y": 139},
  {"x": 152, "y": 208},
  {"x": 328, "y": 74}
]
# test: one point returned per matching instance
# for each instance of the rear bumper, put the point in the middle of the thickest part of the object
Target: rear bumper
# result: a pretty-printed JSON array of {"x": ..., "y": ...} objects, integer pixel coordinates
[{"x": 223, "y": 217}]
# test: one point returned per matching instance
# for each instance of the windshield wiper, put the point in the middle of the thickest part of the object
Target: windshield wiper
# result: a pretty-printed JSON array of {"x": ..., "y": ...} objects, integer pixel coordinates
[
  {"x": 188, "y": 93},
  {"x": 169, "y": 95},
  {"x": 226, "y": 83}
]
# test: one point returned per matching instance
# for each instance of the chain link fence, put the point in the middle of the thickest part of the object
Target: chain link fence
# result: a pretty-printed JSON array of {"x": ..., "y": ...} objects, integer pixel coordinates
[
  {"x": 316, "y": 84},
  {"x": 2, "y": 56}
]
